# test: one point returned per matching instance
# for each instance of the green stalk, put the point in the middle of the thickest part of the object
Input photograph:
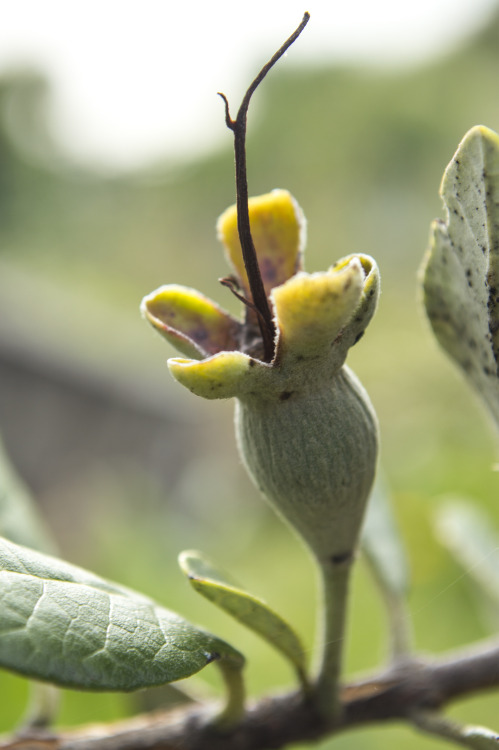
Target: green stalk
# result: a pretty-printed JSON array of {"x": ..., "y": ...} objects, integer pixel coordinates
[
  {"x": 233, "y": 710},
  {"x": 335, "y": 577}
]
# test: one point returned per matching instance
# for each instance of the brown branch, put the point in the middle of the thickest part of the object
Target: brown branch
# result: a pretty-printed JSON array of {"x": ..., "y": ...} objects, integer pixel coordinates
[{"x": 281, "y": 720}]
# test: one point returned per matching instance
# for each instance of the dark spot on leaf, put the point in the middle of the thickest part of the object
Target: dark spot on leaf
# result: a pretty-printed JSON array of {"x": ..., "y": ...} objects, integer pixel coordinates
[{"x": 285, "y": 395}]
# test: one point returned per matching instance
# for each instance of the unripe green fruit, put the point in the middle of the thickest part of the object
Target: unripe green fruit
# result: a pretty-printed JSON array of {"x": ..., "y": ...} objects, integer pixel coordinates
[{"x": 312, "y": 453}]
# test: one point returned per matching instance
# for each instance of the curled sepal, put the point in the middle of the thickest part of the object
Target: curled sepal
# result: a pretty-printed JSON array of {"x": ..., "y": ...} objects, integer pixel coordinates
[
  {"x": 67, "y": 626},
  {"x": 312, "y": 309},
  {"x": 246, "y": 608},
  {"x": 461, "y": 270},
  {"x": 368, "y": 302},
  {"x": 191, "y": 322},
  {"x": 220, "y": 376},
  {"x": 278, "y": 232}
]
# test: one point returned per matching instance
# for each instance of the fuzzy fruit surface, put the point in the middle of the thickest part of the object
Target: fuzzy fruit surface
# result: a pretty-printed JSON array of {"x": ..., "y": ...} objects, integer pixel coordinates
[{"x": 312, "y": 453}]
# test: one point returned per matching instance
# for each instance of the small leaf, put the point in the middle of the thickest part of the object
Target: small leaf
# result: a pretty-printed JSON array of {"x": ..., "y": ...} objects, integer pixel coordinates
[
  {"x": 62, "y": 624},
  {"x": 382, "y": 546},
  {"x": 480, "y": 738},
  {"x": 465, "y": 735},
  {"x": 20, "y": 520},
  {"x": 245, "y": 608},
  {"x": 466, "y": 531},
  {"x": 461, "y": 273}
]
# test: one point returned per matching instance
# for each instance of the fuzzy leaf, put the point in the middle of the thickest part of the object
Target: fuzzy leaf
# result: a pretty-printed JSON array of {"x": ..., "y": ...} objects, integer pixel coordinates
[
  {"x": 461, "y": 273},
  {"x": 385, "y": 553},
  {"x": 20, "y": 520},
  {"x": 244, "y": 607},
  {"x": 62, "y": 624},
  {"x": 466, "y": 531},
  {"x": 382, "y": 544},
  {"x": 480, "y": 738},
  {"x": 464, "y": 735}
]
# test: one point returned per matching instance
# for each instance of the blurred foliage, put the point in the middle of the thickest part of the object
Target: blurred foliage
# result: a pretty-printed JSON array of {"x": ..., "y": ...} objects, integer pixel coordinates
[{"x": 363, "y": 151}]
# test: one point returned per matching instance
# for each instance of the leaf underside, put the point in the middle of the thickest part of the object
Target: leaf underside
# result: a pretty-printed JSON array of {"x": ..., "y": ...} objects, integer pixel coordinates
[
  {"x": 461, "y": 272},
  {"x": 62, "y": 624}
]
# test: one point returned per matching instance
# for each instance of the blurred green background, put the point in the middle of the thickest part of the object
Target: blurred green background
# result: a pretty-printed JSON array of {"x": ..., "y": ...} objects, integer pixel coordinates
[{"x": 128, "y": 468}]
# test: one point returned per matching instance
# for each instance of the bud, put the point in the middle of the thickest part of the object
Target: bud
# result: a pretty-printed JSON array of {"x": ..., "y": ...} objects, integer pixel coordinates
[
  {"x": 306, "y": 429},
  {"x": 312, "y": 453}
]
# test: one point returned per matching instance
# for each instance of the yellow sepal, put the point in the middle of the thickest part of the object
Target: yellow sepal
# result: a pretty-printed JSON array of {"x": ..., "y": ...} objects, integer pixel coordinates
[
  {"x": 311, "y": 309},
  {"x": 278, "y": 231},
  {"x": 219, "y": 376},
  {"x": 194, "y": 324}
]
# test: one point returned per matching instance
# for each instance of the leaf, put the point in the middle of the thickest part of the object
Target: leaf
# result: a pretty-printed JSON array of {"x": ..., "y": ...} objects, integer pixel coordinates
[
  {"x": 20, "y": 520},
  {"x": 382, "y": 544},
  {"x": 480, "y": 738},
  {"x": 466, "y": 735},
  {"x": 63, "y": 624},
  {"x": 245, "y": 608},
  {"x": 461, "y": 270},
  {"x": 466, "y": 531}
]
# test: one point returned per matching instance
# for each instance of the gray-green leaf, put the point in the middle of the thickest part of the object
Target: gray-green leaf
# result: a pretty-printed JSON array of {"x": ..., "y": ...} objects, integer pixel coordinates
[
  {"x": 245, "y": 608},
  {"x": 20, "y": 520},
  {"x": 480, "y": 738},
  {"x": 466, "y": 531},
  {"x": 65, "y": 625},
  {"x": 382, "y": 544},
  {"x": 461, "y": 273},
  {"x": 477, "y": 738},
  {"x": 385, "y": 553}
]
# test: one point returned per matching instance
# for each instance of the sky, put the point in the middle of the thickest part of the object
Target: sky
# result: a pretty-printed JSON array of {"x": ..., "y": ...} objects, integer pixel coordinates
[{"x": 134, "y": 80}]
